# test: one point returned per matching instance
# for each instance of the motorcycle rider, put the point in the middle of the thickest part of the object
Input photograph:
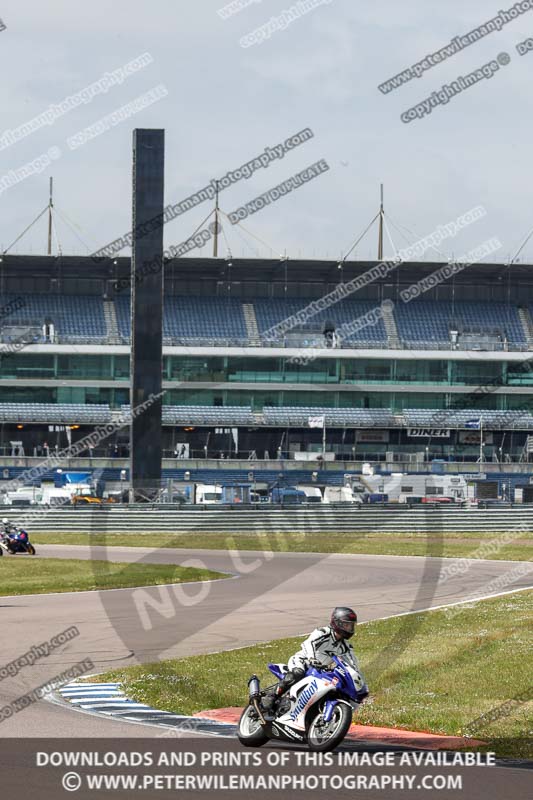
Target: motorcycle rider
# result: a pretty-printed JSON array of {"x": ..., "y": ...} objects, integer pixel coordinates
[
  {"x": 7, "y": 532},
  {"x": 317, "y": 650}
]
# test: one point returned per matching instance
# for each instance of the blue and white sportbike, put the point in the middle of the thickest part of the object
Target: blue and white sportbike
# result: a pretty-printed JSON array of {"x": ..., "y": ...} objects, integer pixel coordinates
[{"x": 317, "y": 710}]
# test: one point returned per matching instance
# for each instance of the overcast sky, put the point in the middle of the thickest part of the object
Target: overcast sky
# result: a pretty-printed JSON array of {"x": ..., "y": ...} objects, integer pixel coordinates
[{"x": 226, "y": 103}]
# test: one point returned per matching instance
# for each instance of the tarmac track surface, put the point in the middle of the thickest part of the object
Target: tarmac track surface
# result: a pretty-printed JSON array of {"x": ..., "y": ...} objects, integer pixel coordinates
[{"x": 267, "y": 598}]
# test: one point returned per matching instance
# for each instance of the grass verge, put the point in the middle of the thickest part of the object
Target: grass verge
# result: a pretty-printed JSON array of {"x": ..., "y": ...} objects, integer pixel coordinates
[
  {"x": 462, "y": 663},
  {"x": 26, "y": 575},
  {"x": 455, "y": 545}
]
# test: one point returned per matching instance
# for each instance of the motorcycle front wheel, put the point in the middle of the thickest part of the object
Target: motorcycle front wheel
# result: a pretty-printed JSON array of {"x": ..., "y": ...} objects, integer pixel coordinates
[
  {"x": 323, "y": 736},
  {"x": 250, "y": 732},
  {"x": 31, "y": 550}
]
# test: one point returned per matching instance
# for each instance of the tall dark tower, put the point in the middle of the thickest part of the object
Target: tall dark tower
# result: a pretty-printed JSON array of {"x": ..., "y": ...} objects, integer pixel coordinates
[{"x": 147, "y": 307}]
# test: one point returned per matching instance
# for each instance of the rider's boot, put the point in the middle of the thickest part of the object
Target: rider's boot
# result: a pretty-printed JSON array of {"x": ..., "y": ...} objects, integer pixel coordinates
[{"x": 270, "y": 699}]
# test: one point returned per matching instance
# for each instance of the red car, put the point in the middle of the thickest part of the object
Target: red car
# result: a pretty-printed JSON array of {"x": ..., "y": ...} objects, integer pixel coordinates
[{"x": 437, "y": 499}]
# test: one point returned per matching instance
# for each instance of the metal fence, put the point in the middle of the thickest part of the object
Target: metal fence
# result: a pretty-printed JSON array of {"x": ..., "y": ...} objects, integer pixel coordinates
[{"x": 235, "y": 520}]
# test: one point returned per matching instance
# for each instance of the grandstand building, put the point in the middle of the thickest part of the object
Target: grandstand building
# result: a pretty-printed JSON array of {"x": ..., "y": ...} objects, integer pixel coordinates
[{"x": 244, "y": 371}]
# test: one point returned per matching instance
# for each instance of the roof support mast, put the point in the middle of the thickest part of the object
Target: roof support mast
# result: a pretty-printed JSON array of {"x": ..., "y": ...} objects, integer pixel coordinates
[
  {"x": 50, "y": 207},
  {"x": 380, "y": 234},
  {"x": 215, "y": 237}
]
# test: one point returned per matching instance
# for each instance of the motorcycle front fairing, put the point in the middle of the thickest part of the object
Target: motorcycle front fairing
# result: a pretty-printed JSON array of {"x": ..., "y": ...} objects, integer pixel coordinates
[
  {"x": 316, "y": 684},
  {"x": 278, "y": 670},
  {"x": 304, "y": 694}
]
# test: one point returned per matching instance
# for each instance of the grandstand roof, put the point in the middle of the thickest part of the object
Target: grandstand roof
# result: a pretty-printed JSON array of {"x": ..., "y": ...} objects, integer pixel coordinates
[{"x": 250, "y": 271}]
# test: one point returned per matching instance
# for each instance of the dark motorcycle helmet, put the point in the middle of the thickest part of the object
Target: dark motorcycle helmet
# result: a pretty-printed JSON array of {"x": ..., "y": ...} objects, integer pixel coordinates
[{"x": 343, "y": 621}]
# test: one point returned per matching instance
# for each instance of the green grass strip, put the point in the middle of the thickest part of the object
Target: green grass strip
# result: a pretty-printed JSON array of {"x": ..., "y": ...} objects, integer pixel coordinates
[
  {"x": 454, "y": 545},
  {"x": 30, "y": 575}
]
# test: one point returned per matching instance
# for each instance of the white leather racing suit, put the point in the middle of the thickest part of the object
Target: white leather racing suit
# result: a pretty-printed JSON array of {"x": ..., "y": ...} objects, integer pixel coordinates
[{"x": 320, "y": 646}]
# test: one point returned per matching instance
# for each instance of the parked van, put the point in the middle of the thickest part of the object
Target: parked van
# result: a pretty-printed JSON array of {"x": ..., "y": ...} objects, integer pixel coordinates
[
  {"x": 312, "y": 493},
  {"x": 340, "y": 494},
  {"x": 207, "y": 494}
]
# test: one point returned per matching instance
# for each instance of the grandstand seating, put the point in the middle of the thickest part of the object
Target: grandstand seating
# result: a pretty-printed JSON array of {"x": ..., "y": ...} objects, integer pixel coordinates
[
  {"x": 193, "y": 319},
  {"x": 54, "y": 413},
  {"x": 299, "y": 416},
  {"x": 427, "y": 321},
  {"x": 493, "y": 420},
  {"x": 75, "y": 317},
  {"x": 270, "y": 312},
  {"x": 189, "y": 319},
  {"x": 203, "y": 415},
  {"x": 295, "y": 416}
]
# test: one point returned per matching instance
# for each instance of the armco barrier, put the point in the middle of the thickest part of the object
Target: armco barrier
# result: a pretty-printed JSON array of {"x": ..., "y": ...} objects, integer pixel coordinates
[{"x": 146, "y": 519}]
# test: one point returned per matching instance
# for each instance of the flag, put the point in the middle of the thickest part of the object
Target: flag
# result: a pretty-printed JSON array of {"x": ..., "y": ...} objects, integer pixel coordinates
[
  {"x": 316, "y": 422},
  {"x": 473, "y": 423}
]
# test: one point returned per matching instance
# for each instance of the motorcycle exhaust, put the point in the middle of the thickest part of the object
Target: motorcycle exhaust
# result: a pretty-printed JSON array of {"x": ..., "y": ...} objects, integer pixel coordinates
[
  {"x": 254, "y": 687},
  {"x": 254, "y": 691}
]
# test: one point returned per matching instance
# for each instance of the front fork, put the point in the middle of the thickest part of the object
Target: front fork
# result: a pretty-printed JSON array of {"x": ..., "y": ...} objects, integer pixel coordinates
[{"x": 329, "y": 707}]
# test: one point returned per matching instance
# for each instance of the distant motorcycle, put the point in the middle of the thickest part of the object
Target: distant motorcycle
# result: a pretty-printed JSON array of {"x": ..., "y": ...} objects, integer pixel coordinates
[
  {"x": 316, "y": 710},
  {"x": 16, "y": 541}
]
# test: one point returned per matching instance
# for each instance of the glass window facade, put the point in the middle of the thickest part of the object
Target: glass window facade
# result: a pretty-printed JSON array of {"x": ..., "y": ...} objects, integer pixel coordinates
[{"x": 376, "y": 383}]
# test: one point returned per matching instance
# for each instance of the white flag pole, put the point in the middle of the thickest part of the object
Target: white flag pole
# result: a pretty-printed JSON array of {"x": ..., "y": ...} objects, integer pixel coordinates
[
  {"x": 323, "y": 437},
  {"x": 481, "y": 443}
]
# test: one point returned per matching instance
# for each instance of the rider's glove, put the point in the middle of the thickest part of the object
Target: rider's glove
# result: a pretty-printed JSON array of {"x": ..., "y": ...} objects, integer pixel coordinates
[{"x": 321, "y": 665}]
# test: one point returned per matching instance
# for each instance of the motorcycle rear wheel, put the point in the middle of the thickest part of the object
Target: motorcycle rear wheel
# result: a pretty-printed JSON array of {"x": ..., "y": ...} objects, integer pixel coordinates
[
  {"x": 250, "y": 732},
  {"x": 325, "y": 736}
]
